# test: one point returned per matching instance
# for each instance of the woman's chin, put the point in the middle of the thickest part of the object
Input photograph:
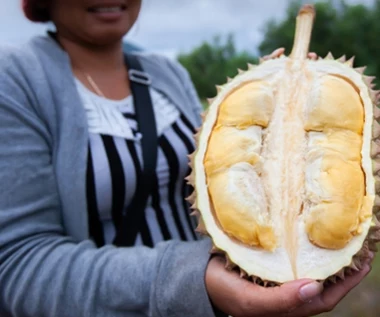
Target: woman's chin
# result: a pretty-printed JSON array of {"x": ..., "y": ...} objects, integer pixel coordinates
[{"x": 106, "y": 38}]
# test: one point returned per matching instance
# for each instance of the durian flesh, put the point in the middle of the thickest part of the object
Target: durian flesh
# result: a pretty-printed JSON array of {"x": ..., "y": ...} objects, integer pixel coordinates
[{"x": 283, "y": 171}]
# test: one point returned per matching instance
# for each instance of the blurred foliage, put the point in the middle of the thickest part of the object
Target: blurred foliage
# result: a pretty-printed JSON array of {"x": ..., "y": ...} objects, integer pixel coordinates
[
  {"x": 351, "y": 30},
  {"x": 211, "y": 63}
]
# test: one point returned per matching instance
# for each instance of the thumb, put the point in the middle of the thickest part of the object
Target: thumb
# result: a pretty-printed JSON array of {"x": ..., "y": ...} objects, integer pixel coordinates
[{"x": 289, "y": 296}]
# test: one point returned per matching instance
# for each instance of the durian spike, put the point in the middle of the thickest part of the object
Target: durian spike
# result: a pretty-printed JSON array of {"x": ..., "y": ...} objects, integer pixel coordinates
[
  {"x": 251, "y": 66},
  {"x": 350, "y": 62},
  {"x": 361, "y": 70},
  {"x": 201, "y": 227},
  {"x": 342, "y": 59},
  {"x": 215, "y": 250},
  {"x": 304, "y": 27},
  {"x": 219, "y": 88},
  {"x": 376, "y": 111},
  {"x": 195, "y": 213},
  {"x": 341, "y": 275},
  {"x": 329, "y": 56}
]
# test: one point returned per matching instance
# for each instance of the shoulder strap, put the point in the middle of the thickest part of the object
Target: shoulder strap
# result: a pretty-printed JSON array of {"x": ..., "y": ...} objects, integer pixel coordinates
[{"x": 132, "y": 218}]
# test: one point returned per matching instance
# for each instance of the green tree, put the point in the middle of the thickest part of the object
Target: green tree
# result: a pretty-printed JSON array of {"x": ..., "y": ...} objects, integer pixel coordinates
[
  {"x": 351, "y": 30},
  {"x": 211, "y": 63}
]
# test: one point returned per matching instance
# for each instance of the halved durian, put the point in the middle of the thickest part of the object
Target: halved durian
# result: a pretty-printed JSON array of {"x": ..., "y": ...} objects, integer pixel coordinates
[{"x": 287, "y": 164}]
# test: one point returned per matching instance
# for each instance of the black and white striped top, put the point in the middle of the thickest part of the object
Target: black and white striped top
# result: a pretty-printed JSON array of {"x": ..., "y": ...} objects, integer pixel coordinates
[{"x": 115, "y": 162}]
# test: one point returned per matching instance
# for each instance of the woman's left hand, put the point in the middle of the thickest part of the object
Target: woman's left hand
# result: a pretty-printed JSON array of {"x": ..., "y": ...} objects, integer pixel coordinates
[{"x": 280, "y": 51}]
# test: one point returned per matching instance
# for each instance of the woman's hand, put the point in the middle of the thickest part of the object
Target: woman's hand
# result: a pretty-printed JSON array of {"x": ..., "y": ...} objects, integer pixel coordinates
[
  {"x": 280, "y": 51},
  {"x": 302, "y": 298}
]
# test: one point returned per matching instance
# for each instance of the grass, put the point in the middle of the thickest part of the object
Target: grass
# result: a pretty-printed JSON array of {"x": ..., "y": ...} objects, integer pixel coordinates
[{"x": 364, "y": 300}]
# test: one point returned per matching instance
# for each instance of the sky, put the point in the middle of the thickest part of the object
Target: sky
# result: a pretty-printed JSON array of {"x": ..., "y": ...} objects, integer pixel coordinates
[{"x": 170, "y": 27}]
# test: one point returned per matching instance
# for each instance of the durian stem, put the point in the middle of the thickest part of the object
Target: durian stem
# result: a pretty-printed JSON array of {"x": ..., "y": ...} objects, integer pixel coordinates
[{"x": 304, "y": 27}]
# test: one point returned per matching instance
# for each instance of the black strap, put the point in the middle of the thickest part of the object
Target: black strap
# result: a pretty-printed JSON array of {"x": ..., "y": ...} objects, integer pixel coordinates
[{"x": 129, "y": 228}]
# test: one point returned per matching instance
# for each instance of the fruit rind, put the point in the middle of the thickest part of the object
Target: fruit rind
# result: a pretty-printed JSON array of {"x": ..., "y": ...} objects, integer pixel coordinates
[{"x": 373, "y": 236}]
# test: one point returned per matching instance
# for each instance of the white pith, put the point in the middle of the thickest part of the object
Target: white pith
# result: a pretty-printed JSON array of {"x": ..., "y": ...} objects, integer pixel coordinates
[{"x": 309, "y": 261}]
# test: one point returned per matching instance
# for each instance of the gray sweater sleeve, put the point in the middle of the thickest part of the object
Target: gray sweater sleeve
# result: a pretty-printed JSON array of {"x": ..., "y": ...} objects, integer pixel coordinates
[{"x": 44, "y": 273}]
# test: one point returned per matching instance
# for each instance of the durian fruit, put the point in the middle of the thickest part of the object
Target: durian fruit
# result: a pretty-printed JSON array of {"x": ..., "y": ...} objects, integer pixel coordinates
[{"x": 287, "y": 164}]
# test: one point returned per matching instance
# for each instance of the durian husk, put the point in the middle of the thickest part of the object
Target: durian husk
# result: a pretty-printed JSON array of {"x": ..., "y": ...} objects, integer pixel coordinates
[{"x": 373, "y": 236}]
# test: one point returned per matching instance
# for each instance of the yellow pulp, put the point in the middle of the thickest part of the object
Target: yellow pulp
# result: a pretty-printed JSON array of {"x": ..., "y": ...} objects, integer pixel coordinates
[{"x": 288, "y": 150}]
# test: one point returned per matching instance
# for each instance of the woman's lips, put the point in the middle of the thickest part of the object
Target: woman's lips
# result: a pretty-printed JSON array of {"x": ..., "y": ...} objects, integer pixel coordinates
[{"x": 108, "y": 13}]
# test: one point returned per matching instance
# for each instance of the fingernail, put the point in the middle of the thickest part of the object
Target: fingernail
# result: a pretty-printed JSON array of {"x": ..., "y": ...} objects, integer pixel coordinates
[
  {"x": 371, "y": 255},
  {"x": 309, "y": 291},
  {"x": 367, "y": 268}
]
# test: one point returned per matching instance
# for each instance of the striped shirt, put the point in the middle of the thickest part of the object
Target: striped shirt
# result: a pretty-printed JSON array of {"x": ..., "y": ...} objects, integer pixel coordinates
[{"x": 115, "y": 162}]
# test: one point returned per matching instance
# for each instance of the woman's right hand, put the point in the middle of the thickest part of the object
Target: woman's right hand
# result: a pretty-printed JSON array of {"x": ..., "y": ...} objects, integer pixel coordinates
[{"x": 302, "y": 298}]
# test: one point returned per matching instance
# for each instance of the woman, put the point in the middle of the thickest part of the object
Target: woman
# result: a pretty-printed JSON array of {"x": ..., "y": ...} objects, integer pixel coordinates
[{"x": 70, "y": 164}]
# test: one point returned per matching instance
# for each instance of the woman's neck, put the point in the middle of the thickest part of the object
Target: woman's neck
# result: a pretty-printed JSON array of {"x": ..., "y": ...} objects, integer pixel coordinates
[
  {"x": 104, "y": 66},
  {"x": 94, "y": 58}
]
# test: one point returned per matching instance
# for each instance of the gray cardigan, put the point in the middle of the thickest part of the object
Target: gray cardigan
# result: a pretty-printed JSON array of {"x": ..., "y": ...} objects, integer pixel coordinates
[{"x": 48, "y": 266}]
